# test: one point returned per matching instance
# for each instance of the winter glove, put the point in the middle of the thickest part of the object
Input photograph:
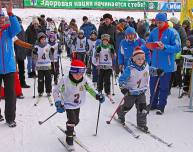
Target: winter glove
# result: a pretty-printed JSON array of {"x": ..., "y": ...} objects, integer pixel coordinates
[
  {"x": 124, "y": 91},
  {"x": 100, "y": 97},
  {"x": 52, "y": 50},
  {"x": 160, "y": 72},
  {"x": 35, "y": 51},
  {"x": 59, "y": 107}
]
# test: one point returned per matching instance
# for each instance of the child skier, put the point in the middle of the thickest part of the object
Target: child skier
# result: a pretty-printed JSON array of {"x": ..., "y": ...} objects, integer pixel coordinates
[
  {"x": 70, "y": 94},
  {"x": 70, "y": 41},
  {"x": 43, "y": 65},
  {"x": 91, "y": 48},
  {"x": 133, "y": 84},
  {"x": 80, "y": 46},
  {"x": 105, "y": 55},
  {"x": 55, "y": 51}
]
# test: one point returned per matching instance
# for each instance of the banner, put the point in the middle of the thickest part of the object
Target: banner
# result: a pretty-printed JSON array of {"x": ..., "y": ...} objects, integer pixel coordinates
[
  {"x": 186, "y": 11},
  {"x": 171, "y": 6},
  {"x": 93, "y": 4}
]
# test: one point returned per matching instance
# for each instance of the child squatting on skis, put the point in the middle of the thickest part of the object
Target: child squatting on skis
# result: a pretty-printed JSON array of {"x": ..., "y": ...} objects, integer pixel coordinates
[
  {"x": 133, "y": 84},
  {"x": 69, "y": 95}
]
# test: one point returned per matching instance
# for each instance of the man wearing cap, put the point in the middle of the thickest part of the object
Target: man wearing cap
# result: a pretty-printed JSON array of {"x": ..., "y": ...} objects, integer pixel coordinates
[
  {"x": 87, "y": 27},
  {"x": 7, "y": 62},
  {"x": 108, "y": 28},
  {"x": 163, "y": 57}
]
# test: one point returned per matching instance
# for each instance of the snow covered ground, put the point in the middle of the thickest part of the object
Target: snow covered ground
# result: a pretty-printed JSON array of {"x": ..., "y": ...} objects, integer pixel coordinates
[{"x": 174, "y": 126}]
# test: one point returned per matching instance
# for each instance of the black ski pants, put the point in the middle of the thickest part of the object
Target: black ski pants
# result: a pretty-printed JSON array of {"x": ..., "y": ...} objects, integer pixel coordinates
[
  {"x": 104, "y": 79},
  {"x": 44, "y": 76},
  {"x": 10, "y": 96},
  {"x": 72, "y": 121}
]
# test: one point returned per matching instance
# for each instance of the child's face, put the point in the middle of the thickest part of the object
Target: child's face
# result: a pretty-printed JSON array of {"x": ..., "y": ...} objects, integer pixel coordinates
[
  {"x": 93, "y": 36},
  {"x": 187, "y": 43},
  {"x": 43, "y": 40},
  {"x": 80, "y": 35},
  {"x": 139, "y": 59},
  {"x": 130, "y": 37},
  {"x": 52, "y": 39},
  {"x": 77, "y": 76},
  {"x": 105, "y": 42}
]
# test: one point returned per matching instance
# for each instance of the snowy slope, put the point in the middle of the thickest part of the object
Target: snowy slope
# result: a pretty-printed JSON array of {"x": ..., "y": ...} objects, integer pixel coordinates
[{"x": 174, "y": 126}]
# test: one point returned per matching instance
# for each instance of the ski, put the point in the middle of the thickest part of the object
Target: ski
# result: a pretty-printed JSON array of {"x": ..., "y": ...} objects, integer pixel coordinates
[
  {"x": 151, "y": 135},
  {"x": 50, "y": 100},
  {"x": 65, "y": 145},
  {"x": 126, "y": 127},
  {"x": 76, "y": 140}
]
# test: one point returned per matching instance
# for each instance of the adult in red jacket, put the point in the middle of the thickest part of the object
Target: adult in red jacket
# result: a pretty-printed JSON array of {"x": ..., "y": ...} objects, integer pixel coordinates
[{"x": 7, "y": 61}]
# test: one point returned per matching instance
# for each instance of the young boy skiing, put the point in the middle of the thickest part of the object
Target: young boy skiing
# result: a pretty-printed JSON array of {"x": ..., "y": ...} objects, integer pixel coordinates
[
  {"x": 55, "y": 51},
  {"x": 105, "y": 55},
  {"x": 70, "y": 95},
  {"x": 91, "y": 48},
  {"x": 80, "y": 46},
  {"x": 43, "y": 65},
  {"x": 134, "y": 83}
]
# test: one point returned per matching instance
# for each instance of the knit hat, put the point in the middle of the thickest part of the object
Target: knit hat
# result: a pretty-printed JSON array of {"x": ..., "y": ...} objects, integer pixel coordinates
[
  {"x": 105, "y": 37},
  {"x": 81, "y": 32},
  {"x": 93, "y": 32},
  {"x": 41, "y": 35},
  {"x": 35, "y": 20},
  {"x": 137, "y": 51},
  {"x": 122, "y": 20},
  {"x": 129, "y": 31},
  {"x": 161, "y": 17},
  {"x": 174, "y": 20},
  {"x": 77, "y": 66},
  {"x": 107, "y": 15}
]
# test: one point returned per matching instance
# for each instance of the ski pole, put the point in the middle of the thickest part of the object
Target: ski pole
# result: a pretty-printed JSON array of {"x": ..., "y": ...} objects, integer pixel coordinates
[
  {"x": 41, "y": 122},
  {"x": 154, "y": 92},
  {"x": 61, "y": 66},
  {"x": 113, "y": 84},
  {"x": 109, "y": 121},
  {"x": 34, "y": 87},
  {"x": 98, "y": 118}
]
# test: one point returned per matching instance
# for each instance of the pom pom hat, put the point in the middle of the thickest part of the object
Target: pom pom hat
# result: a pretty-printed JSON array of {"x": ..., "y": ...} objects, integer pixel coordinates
[
  {"x": 137, "y": 51},
  {"x": 77, "y": 66}
]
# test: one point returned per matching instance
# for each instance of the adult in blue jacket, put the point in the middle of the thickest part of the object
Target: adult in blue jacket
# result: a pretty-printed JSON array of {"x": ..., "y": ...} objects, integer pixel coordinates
[
  {"x": 87, "y": 27},
  {"x": 163, "y": 57},
  {"x": 7, "y": 62},
  {"x": 127, "y": 46}
]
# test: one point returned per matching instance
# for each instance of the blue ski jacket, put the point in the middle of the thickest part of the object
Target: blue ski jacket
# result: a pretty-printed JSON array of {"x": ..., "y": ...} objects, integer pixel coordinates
[
  {"x": 7, "y": 58},
  {"x": 164, "y": 59}
]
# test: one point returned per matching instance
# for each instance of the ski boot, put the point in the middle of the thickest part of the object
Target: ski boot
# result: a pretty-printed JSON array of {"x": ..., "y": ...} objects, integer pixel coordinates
[{"x": 143, "y": 128}]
